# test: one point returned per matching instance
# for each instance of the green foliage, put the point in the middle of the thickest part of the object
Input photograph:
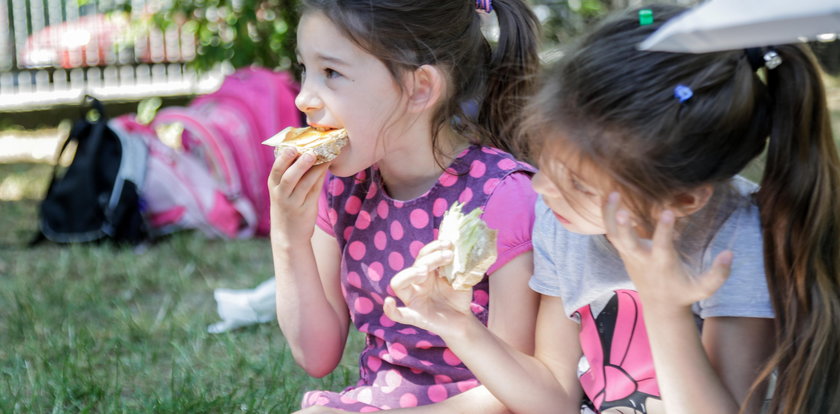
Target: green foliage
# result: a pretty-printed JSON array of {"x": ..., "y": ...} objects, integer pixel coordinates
[
  {"x": 242, "y": 32},
  {"x": 565, "y": 19},
  {"x": 147, "y": 109}
]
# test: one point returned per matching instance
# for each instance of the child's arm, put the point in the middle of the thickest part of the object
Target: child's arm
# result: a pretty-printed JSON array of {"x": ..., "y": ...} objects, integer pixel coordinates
[
  {"x": 712, "y": 373},
  {"x": 310, "y": 308},
  {"x": 695, "y": 375},
  {"x": 547, "y": 383}
]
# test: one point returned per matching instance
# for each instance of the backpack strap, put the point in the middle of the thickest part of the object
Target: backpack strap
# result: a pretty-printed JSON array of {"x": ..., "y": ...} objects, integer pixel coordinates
[{"x": 75, "y": 133}]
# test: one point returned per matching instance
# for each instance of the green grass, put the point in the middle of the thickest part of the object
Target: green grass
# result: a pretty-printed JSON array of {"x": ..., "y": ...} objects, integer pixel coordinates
[{"x": 101, "y": 329}]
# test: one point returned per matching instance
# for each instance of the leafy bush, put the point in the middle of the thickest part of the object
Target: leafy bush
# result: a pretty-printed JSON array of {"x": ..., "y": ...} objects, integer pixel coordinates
[{"x": 242, "y": 32}]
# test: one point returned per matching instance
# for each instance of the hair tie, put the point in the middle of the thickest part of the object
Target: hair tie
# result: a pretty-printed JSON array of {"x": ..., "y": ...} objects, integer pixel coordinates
[
  {"x": 759, "y": 57},
  {"x": 683, "y": 93},
  {"x": 484, "y": 5}
]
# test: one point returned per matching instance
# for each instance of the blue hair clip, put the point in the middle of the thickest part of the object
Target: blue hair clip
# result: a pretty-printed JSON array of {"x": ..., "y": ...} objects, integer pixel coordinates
[
  {"x": 484, "y": 5},
  {"x": 683, "y": 93}
]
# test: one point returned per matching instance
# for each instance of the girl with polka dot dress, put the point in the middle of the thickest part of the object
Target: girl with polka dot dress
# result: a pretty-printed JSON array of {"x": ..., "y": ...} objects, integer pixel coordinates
[
  {"x": 428, "y": 107},
  {"x": 669, "y": 284}
]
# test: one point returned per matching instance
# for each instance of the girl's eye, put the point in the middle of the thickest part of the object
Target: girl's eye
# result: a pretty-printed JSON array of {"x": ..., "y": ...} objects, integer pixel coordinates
[
  {"x": 301, "y": 68},
  {"x": 330, "y": 73},
  {"x": 579, "y": 187}
]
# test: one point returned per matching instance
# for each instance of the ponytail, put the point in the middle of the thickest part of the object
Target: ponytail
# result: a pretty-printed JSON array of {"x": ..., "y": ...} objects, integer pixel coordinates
[
  {"x": 511, "y": 75},
  {"x": 799, "y": 202}
]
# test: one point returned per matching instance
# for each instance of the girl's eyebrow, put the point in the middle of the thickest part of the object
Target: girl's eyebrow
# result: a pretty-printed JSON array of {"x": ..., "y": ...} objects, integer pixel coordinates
[
  {"x": 322, "y": 57},
  {"x": 331, "y": 59}
]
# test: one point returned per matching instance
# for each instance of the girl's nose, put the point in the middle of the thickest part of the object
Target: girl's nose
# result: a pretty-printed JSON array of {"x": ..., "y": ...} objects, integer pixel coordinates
[{"x": 306, "y": 101}]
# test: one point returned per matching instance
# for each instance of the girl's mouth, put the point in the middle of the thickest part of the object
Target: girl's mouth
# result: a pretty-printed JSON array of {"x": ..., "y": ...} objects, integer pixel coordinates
[
  {"x": 562, "y": 219},
  {"x": 322, "y": 128}
]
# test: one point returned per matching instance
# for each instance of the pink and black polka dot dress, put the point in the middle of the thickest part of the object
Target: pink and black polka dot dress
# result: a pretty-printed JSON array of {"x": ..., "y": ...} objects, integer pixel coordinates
[{"x": 401, "y": 365}]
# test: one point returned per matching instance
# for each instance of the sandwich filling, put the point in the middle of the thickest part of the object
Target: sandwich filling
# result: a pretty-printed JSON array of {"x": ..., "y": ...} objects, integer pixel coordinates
[
  {"x": 323, "y": 143},
  {"x": 474, "y": 246}
]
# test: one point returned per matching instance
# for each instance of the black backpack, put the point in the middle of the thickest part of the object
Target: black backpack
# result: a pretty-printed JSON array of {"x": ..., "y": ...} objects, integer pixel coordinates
[{"x": 97, "y": 196}]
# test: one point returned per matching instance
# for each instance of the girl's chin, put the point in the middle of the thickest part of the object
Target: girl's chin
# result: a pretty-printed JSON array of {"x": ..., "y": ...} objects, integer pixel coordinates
[
  {"x": 336, "y": 170},
  {"x": 339, "y": 169}
]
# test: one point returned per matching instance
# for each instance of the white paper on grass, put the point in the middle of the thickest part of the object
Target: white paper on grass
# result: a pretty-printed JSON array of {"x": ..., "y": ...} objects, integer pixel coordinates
[
  {"x": 242, "y": 307},
  {"x": 736, "y": 24}
]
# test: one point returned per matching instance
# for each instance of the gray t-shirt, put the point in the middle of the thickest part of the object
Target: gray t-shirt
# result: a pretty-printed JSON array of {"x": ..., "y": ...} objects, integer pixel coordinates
[{"x": 586, "y": 270}]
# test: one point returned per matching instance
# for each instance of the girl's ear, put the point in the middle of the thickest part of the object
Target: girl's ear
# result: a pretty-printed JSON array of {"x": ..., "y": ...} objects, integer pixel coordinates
[
  {"x": 425, "y": 88},
  {"x": 687, "y": 203}
]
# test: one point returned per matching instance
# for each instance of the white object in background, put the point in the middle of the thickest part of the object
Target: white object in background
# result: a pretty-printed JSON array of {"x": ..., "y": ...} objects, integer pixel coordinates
[
  {"x": 736, "y": 24},
  {"x": 242, "y": 307}
]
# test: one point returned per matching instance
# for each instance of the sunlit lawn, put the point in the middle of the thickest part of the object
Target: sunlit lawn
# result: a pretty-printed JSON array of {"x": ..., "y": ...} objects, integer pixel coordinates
[{"x": 101, "y": 329}]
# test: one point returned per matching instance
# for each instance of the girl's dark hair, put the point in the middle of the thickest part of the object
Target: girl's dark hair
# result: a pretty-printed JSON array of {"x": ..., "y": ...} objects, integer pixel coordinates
[
  {"x": 406, "y": 34},
  {"x": 617, "y": 108}
]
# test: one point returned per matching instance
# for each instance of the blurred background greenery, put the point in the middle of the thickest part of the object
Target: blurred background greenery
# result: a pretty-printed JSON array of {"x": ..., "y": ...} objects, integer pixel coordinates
[
  {"x": 262, "y": 32},
  {"x": 242, "y": 32}
]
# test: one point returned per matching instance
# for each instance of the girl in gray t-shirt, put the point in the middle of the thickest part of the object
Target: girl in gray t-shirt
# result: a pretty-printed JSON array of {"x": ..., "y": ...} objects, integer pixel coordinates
[
  {"x": 650, "y": 253},
  {"x": 616, "y": 370}
]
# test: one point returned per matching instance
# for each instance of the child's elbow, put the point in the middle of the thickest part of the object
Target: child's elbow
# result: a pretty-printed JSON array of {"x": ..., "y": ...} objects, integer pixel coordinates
[
  {"x": 317, "y": 366},
  {"x": 317, "y": 371}
]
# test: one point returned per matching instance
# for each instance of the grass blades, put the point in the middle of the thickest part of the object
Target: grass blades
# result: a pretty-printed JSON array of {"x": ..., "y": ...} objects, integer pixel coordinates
[{"x": 101, "y": 329}]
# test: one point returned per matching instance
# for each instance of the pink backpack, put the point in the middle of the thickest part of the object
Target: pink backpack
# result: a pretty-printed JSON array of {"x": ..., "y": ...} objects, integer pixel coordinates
[
  {"x": 179, "y": 192},
  {"x": 224, "y": 130}
]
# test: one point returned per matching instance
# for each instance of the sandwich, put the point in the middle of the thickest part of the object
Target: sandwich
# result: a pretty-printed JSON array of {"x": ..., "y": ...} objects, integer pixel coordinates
[
  {"x": 474, "y": 246},
  {"x": 324, "y": 144}
]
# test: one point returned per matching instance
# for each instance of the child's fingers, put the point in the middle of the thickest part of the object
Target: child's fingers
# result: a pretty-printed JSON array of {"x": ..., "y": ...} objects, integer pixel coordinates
[
  {"x": 398, "y": 314},
  {"x": 713, "y": 279},
  {"x": 391, "y": 311},
  {"x": 434, "y": 245},
  {"x": 435, "y": 259},
  {"x": 315, "y": 191},
  {"x": 625, "y": 237},
  {"x": 610, "y": 209},
  {"x": 617, "y": 224},
  {"x": 402, "y": 281},
  {"x": 312, "y": 176},
  {"x": 311, "y": 183},
  {"x": 290, "y": 179},
  {"x": 281, "y": 164},
  {"x": 663, "y": 235}
]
